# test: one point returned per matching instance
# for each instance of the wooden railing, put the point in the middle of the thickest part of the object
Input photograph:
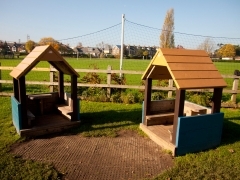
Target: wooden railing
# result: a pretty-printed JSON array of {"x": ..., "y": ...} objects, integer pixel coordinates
[{"x": 234, "y": 90}]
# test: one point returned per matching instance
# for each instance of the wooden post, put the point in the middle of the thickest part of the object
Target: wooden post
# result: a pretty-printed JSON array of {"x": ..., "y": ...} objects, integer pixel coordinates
[
  {"x": 235, "y": 88},
  {"x": 74, "y": 101},
  {"x": 16, "y": 89},
  {"x": 170, "y": 84},
  {"x": 216, "y": 100},
  {"x": 51, "y": 87},
  {"x": 109, "y": 68},
  {"x": 178, "y": 111},
  {"x": 147, "y": 98},
  {"x": 23, "y": 101},
  {"x": 60, "y": 87}
]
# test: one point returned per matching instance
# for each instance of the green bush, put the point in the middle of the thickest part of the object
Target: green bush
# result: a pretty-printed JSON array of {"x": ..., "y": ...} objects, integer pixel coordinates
[{"x": 201, "y": 98}]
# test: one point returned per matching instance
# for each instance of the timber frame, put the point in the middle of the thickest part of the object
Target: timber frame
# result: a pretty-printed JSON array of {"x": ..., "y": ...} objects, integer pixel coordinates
[
  {"x": 49, "y": 54},
  {"x": 189, "y": 69}
]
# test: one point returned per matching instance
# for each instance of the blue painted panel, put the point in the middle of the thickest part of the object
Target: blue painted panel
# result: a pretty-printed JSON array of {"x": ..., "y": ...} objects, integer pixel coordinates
[
  {"x": 197, "y": 133},
  {"x": 16, "y": 114}
]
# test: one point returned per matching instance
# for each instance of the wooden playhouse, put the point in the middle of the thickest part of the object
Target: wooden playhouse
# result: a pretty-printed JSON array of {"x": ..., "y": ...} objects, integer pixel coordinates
[
  {"x": 38, "y": 114},
  {"x": 175, "y": 124}
]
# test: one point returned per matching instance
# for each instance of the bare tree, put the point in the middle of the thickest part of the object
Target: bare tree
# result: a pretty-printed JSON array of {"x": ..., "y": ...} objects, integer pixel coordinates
[
  {"x": 79, "y": 45},
  {"x": 167, "y": 35},
  {"x": 207, "y": 45}
]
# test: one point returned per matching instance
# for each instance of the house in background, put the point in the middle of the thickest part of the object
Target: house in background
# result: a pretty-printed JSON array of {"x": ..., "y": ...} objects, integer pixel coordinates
[
  {"x": 93, "y": 51},
  {"x": 107, "y": 49},
  {"x": 116, "y": 50}
]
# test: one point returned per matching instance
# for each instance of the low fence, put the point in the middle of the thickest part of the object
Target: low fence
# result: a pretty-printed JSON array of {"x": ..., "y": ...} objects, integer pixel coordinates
[{"x": 233, "y": 91}]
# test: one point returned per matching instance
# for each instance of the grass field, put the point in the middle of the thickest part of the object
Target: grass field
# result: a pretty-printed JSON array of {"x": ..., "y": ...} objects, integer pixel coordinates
[
  {"x": 225, "y": 68},
  {"x": 219, "y": 163}
]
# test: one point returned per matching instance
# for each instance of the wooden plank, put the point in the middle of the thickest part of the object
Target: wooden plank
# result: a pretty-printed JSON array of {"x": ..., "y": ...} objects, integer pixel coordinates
[
  {"x": 147, "y": 97},
  {"x": 200, "y": 83},
  {"x": 74, "y": 102},
  {"x": 22, "y": 100},
  {"x": 15, "y": 73},
  {"x": 50, "y": 57},
  {"x": 16, "y": 89},
  {"x": 188, "y": 59},
  {"x": 161, "y": 141},
  {"x": 161, "y": 131},
  {"x": 199, "y": 133},
  {"x": 196, "y": 74},
  {"x": 179, "y": 111},
  {"x": 61, "y": 87},
  {"x": 158, "y": 119},
  {"x": 28, "y": 60},
  {"x": 159, "y": 72},
  {"x": 183, "y": 52},
  {"x": 192, "y": 66},
  {"x": 40, "y": 48},
  {"x": 35, "y": 54},
  {"x": 216, "y": 100},
  {"x": 162, "y": 106},
  {"x": 23, "y": 66}
]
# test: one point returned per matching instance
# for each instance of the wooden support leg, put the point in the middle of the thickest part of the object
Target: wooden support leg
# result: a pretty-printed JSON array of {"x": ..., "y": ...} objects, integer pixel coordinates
[
  {"x": 179, "y": 108},
  {"x": 216, "y": 100},
  {"x": 147, "y": 98}
]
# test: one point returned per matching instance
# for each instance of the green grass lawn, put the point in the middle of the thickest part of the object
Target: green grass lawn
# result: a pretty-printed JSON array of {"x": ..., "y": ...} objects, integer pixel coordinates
[
  {"x": 219, "y": 163},
  {"x": 14, "y": 167},
  {"x": 225, "y": 68}
]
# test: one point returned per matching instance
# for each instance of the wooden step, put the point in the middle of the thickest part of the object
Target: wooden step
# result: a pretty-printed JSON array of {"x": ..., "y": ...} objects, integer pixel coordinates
[
  {"x": 65, "y": 110},
  {"x": 158, "y": 119}
]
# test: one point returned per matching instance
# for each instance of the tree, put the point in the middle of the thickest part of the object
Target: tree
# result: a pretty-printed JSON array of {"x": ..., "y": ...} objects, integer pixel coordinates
[
  {"x": 145, "y": 53},
  {"x": 167, "y": 35},
  {"x": 30, "y": 45},
  {"x": 49, "y": 41},
  {"x": 237, "y": 49},
  {"x": 79, "y": 45},
  {"x": 102, "y": 55},
  {"x": 207, "y": 45},
  {"x": 227, "y": 50},
  {"x": 139, "y": 52}
]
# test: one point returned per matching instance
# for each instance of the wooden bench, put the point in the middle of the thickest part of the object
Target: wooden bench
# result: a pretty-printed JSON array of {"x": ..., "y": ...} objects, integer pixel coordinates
[
  {"x": 192, "y": 109},
  {"x": 65, "y": 109},
  {"x": 159, "y": 119},
  {"x": 161, "y": 112}
]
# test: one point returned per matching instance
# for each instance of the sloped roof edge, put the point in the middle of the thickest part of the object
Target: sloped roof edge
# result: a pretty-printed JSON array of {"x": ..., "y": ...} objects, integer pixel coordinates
[
  {"x": 42, "y": 53},
  {"x": 190, "y": 69}
]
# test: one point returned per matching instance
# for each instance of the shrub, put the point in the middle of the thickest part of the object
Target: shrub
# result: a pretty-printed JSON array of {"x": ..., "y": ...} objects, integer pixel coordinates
[{"x": 201, "y": 98}]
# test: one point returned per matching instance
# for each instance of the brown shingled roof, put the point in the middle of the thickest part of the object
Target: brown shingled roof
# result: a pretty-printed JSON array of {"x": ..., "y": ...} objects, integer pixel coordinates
[
  {"x": 42, "y": 53},
  {"x": 190, "y": 69}
]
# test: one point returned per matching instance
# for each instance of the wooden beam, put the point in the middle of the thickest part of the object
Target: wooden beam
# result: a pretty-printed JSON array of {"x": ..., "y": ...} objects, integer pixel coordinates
[
  {"x": 23, "y": 101},
  {"x": 147, "y": 98},
  {"x": 179, "y": 110},
  {"x": 216, "y": 100},
  {"x": 16, "y": 89},
  {"x": 60, "y": 87},
  {"x": 74, "y": 101}
]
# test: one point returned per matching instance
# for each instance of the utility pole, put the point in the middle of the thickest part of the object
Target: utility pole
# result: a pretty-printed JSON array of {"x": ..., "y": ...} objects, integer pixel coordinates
[{"x": 122, "y": 43}]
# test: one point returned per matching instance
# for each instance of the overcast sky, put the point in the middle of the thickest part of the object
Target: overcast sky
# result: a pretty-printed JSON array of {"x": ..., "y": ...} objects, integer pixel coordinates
[{"x": 62, "y": 19}]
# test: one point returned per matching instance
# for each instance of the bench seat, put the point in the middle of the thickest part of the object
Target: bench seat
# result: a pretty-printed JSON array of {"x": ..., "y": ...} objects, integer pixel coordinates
[
  {"x": 65, "y": 110},
  {"x": 158, "y": 119}
]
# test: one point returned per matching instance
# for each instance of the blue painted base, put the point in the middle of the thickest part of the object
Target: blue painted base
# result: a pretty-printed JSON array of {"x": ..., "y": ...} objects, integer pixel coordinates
[{"x": 197, "y": 133}]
